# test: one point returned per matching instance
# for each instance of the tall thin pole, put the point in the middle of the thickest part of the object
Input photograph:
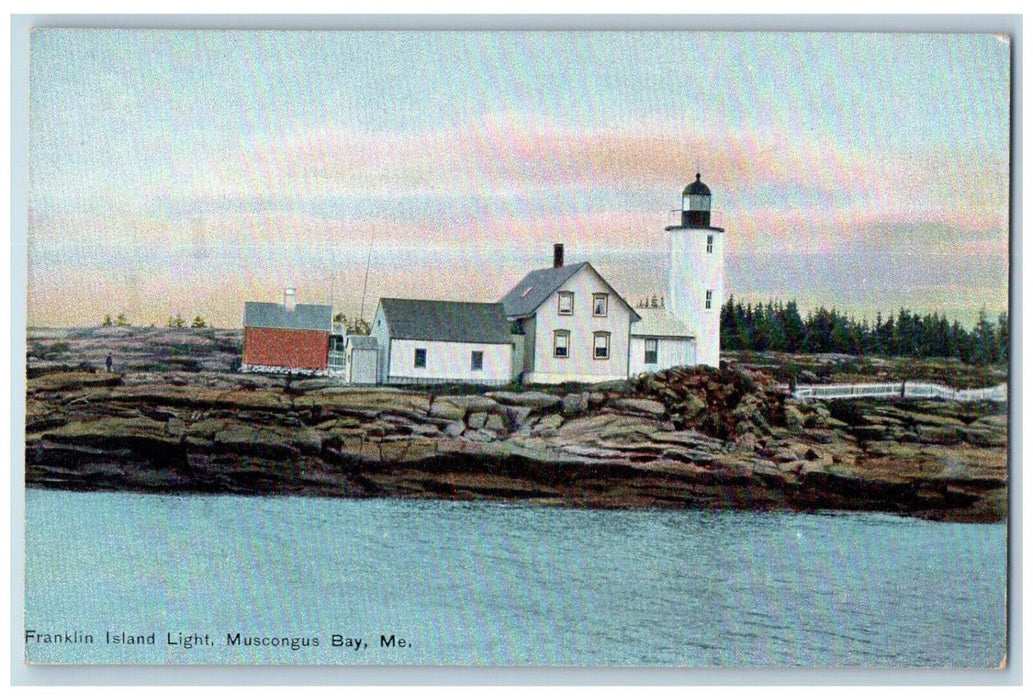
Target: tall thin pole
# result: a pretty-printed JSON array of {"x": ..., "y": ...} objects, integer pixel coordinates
[{"x": 365, "y": 281}]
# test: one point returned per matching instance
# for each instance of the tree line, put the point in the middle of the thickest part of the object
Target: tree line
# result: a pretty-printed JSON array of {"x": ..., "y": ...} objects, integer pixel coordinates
[
  {"x": 353, "y": 326},
  {"x": 174, "y": 322},
  {"x": 779, "y": 326}
]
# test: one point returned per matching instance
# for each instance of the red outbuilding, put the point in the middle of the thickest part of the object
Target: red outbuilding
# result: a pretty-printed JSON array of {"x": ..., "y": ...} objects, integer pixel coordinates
[{"x": 287, "y": 336}]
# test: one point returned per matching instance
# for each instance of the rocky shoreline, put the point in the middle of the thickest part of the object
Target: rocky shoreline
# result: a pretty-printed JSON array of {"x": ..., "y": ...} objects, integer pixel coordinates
[{"x": 685, "y": 438}]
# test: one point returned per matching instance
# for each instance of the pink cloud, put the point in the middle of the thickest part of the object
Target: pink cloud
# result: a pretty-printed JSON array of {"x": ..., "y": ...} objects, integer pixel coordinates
[{"x": 851, "y": 197}]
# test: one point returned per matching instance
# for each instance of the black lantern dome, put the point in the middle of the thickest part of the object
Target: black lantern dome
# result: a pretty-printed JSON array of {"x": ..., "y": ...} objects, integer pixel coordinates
[
  {"x": 696, "y": 188},
  {"x": 696, "y": 205}
]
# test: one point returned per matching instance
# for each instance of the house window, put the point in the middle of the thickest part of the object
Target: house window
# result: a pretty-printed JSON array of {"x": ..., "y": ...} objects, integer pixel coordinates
[
  {"x": 600, "y": 303},
  {"x": 710, "y": 298},
  {"x": 477, "y": 360},
  {"x": 601, "y": 348},
  {"x": 651, "y": 344},
  {"x": 566, "y": 304},
  {"x": 561, "y": 343},
  {"x": 710, "y": 244},
  {"x": 420, "y": 358}
]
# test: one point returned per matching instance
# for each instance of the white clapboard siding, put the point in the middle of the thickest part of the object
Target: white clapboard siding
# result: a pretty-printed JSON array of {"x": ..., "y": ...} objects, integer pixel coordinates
[
  {"x": 581, "y": 365},
  {"x": 671, "y": 352},
  {"x": 448, "y": 362}
]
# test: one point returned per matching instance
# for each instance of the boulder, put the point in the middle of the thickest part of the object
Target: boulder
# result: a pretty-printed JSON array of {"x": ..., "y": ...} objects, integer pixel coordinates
[
  {"x": 794, "y": 419},
  {"x": 574, "y": 404},
  {"x": 934, "y": 420},
  {"x": 471, "y": 403},
  {"x": 175, "y": 427},
  {"x": 477, "y": 420},
  {"x": 745, "y": 444},
  {"x": 647, "y": 407},
  {"x": 496, "y": 423},
  {"x": 547, "y": 424},
  {"x": 692, "y": 407},
  {"x": 985, "y": 438},
  {"x": 518, "y": 415},
  {"x": 530, "y": 399},
  {"x": 813, "y": 420},
  {"x": 608, "y": 428},
  {"x": 425, "y": 429},
  {"x": 479, "y": 435},
  {"x": 443, "y": 408},
  {"x": 939, "y": 435}
]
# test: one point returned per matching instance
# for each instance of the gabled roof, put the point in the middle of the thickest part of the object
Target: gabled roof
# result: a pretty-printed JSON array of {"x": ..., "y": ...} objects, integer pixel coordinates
[
  {"x": 450, "y": 321},
  {"x": 304, "y": 317},
  {"x": 660, "y": 323},
  {"x": 535, "y": 288},
  {"x": 538, "y": 285}
]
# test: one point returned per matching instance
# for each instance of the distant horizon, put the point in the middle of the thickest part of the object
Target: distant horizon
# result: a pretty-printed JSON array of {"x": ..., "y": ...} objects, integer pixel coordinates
[
  {"x": 183, "y": 171},
  {"x": 804, "y": 311}
]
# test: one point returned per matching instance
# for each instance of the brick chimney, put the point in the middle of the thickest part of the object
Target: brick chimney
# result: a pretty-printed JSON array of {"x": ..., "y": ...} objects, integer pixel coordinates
[{"x": 288, "y": 298}]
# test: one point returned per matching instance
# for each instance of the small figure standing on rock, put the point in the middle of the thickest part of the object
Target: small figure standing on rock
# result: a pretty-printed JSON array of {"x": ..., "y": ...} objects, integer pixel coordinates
[{"x": 107, "y": 363}]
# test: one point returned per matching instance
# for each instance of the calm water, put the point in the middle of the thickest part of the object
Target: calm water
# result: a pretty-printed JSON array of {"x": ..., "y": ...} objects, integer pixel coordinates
[{"x": 479, "y": 583}]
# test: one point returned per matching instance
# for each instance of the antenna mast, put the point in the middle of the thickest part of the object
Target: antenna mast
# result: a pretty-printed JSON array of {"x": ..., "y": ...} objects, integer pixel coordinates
[{"x": 369, "y": 255}]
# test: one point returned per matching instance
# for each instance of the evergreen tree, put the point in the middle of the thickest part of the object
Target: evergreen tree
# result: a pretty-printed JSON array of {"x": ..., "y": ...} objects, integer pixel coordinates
[
  {"x": 985, "y": 341},
  {"x": 840, "y": 335},
  {"x": 794, "y": 328},
  {"x": 744, "y": 326},
  {"x": 1003, "y": 335},
  {"x": 761, "y": 330},
  {"x": 729, "y": 329},
  {"x": 776, "y": 321}
]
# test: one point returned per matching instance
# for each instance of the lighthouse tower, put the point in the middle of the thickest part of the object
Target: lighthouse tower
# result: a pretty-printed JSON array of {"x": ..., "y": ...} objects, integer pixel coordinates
[{"x": 697, "y": 272}]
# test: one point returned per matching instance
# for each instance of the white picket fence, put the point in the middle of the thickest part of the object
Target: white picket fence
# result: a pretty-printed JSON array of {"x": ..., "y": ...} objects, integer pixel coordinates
[{"x": 907, "y": 390}]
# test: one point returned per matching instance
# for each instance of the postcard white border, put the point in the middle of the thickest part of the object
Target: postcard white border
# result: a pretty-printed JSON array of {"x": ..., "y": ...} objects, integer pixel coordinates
[{"x": 22, "y": 674}]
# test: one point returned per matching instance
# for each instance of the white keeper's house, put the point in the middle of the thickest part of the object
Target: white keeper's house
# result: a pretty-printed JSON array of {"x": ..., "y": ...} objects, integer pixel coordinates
[{"x": 574, "y": 327}]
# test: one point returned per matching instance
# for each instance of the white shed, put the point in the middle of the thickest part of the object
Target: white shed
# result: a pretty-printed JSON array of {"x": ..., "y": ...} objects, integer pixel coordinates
[
  {"x": 433, "y": 342},
  {"x": 659, "y": 341},
  {"x": 360, "y": 352}
]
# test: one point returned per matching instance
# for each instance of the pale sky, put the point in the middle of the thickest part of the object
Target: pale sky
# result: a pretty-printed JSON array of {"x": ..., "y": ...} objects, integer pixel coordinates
[{"x": 188, "y": 171}]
